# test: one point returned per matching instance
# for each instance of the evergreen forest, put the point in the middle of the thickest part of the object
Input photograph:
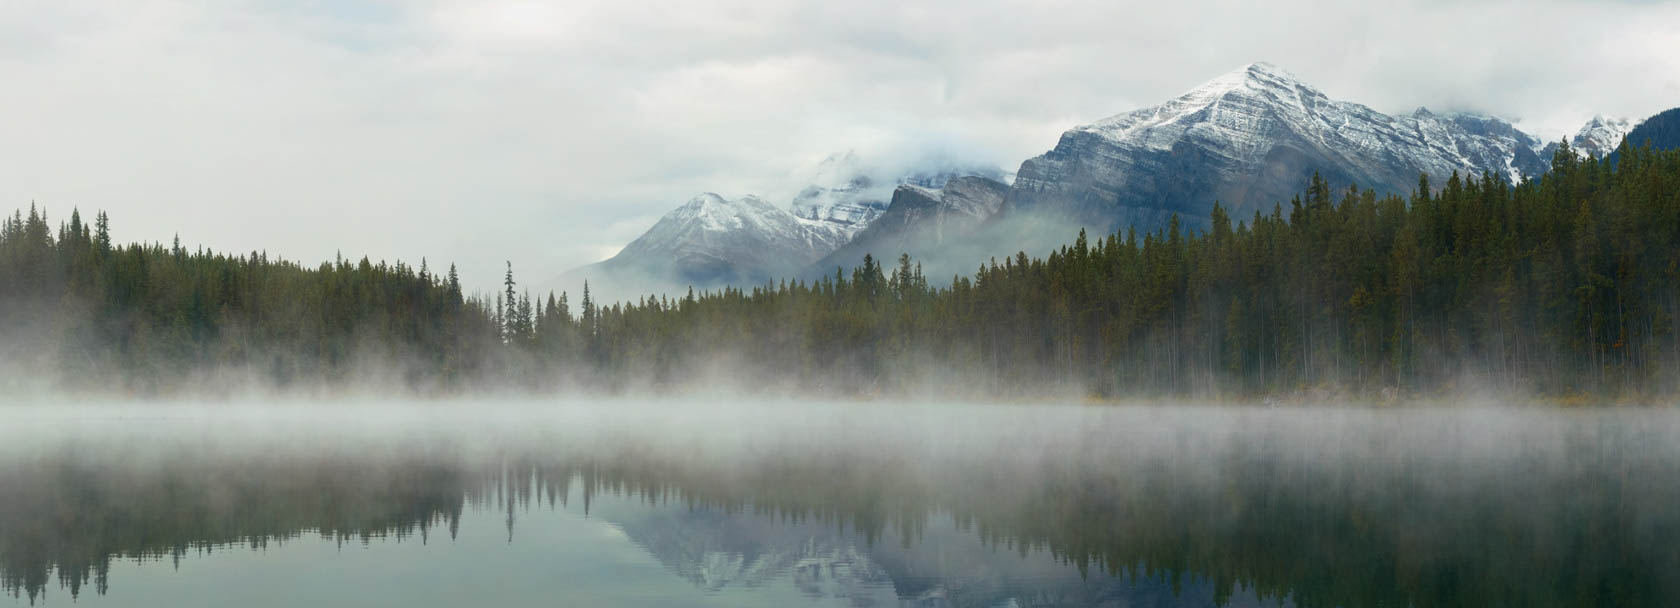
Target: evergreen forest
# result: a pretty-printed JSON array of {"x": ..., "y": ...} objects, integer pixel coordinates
[{"x": 1566, "y": 285}]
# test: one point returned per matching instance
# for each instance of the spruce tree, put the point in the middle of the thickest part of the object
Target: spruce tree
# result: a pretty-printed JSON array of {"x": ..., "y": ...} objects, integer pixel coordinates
[{"x": 510, "y": 314}]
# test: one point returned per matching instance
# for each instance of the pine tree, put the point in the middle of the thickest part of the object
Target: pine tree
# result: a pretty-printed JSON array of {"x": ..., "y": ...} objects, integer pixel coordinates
[
  {"x": 454, "y": 284},
  {"x": 526, "y": 323},
  {"x": 588, "y": 312},
  {"x": 102, "y": 232},
  {"x": 509, "y": 310}
]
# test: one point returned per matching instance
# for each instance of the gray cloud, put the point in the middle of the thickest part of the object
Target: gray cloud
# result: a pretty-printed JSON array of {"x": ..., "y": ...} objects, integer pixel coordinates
[{"x": 551, "y": 133}]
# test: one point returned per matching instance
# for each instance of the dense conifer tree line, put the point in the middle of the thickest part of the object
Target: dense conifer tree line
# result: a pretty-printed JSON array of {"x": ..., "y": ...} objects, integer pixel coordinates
[
  {"x": 151, "y": 318},
  {"x": 1565, "y": 284},
  {"x": 1561, "y": 285},
  {"x": 1661, "y": 131}
]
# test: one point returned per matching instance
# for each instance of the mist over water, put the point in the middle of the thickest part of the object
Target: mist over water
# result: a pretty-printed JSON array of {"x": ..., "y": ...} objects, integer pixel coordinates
[{"x": 705, "y": 502}]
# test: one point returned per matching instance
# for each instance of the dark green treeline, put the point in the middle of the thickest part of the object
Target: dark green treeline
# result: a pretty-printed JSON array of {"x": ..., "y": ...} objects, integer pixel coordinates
[
  {"x": 149, "y": 318},
  {"x": 1562, "y": 285}
]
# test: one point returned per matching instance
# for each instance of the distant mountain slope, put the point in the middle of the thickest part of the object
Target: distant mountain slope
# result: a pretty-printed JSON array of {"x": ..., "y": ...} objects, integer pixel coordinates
[
  {"x": 1662, "y": 132},
  {"x": 1250, "y": 139},
  {"x": 841, "y": 192},
  {"x": 923, "y": 222},
  {"x": 711, "y": 240},
  {"x": 1598, "y": 138}
]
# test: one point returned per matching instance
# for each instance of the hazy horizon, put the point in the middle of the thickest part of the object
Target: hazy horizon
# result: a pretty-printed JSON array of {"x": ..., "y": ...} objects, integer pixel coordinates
[{"x": 997, "y": 304}]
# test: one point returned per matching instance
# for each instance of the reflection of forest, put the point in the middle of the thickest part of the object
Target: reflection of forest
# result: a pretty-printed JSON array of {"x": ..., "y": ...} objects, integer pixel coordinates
[
  {"x": 1588, "y": 521},
  {"x": 75, "y": 517}
]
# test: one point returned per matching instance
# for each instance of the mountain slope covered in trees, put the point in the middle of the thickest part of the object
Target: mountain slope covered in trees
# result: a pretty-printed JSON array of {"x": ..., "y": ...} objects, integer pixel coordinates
[
  {"x": 1661, "y": 132},
  {"x": 1561, "y": 285}
]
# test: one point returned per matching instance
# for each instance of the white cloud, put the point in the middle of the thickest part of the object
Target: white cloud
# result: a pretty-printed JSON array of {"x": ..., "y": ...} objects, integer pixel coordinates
[{"x": 549, "y": 133}]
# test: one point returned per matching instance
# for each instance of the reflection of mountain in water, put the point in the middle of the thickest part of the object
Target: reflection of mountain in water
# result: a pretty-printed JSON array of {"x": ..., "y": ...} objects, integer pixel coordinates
[
  {"x": 715, "y": 549},
  {"x": 1099, "y": 508}
]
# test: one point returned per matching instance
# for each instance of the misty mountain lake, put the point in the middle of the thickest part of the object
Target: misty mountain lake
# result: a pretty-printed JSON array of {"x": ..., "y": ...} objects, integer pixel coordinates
[{"x": 724, "y": 503}]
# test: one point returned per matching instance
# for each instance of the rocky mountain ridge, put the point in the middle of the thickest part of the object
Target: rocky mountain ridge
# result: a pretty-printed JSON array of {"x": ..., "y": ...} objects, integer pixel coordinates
[
  {"x": 1248, "y": 140},
  {"x": 922, "y": 222}
]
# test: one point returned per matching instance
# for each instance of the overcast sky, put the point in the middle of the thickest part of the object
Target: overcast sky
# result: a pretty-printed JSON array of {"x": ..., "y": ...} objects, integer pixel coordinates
[{"x": 551, "y": 133}]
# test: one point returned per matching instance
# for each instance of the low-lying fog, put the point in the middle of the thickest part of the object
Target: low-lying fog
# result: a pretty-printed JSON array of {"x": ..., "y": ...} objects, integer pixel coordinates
[{"x": 944, "y": 503}]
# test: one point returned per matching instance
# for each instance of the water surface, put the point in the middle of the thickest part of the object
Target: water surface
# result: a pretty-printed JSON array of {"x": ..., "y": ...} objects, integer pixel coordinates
[{"x": 779, "y": 504}]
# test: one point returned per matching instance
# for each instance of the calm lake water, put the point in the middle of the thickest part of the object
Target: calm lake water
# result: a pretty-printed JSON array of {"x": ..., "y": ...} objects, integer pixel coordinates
[{"x": 782, "y": 504}]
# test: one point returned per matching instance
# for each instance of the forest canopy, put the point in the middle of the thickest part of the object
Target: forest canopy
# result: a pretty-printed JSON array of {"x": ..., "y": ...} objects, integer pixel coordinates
[{"x": 1566, "y": 284}]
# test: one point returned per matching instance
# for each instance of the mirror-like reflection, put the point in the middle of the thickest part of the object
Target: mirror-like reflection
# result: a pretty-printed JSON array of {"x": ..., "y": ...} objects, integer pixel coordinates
[{"x": 930, "y": 506}]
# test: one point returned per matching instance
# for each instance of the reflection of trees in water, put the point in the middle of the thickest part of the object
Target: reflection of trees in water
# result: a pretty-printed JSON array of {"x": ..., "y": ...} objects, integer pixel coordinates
[
  {"x": 1594, "y": 525},
  {"x": 76, "y": 517}
]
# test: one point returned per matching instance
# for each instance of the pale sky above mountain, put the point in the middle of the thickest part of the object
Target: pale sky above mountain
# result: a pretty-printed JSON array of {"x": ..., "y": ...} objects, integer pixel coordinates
[{"x": 551, "y": 133}]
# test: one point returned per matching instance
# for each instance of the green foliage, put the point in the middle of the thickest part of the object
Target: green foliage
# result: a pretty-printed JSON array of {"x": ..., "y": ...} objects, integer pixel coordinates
[
  {"x": 148, "y": 319},
  {"x": 1558, "y": 286},
  {"x": 1661, "y": 132},
  {"x": 1562, "y": 285}
]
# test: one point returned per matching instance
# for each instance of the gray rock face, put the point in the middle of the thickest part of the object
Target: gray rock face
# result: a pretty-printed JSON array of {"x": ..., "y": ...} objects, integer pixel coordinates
[
  {"x": 1515, "y": 147},
  {"x": 1251, "y": 139},
  {"x": 922, "y": 222}
]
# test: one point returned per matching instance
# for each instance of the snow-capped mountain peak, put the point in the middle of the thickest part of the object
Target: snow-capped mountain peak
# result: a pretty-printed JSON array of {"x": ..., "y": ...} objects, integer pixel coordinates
[
  {"x": 1601, "y": 135},
  {"x": 1598, "y": 137},
  {"x": 716, "y": 213},
  {"x": 1248, "y": 139},
  {"x": 1258, "y": 76},
  {"x": 712, "y": 239},
  {"x": 1253, "y": 81}
]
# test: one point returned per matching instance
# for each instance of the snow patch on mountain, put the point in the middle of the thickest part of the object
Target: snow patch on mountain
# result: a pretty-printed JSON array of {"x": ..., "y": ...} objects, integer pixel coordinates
[
  {"x": 1250, "y": 139},
  {"x": 842, "y": 194},
  {"x": 708, "y": 224},
  {"x": 924, "y": 223},
  {"x": 849, "y": 194},
  {"x": 1245, "y": 110},
  {"x": 712, "y": 240},
  {"x": 1600, "y": 136}
]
